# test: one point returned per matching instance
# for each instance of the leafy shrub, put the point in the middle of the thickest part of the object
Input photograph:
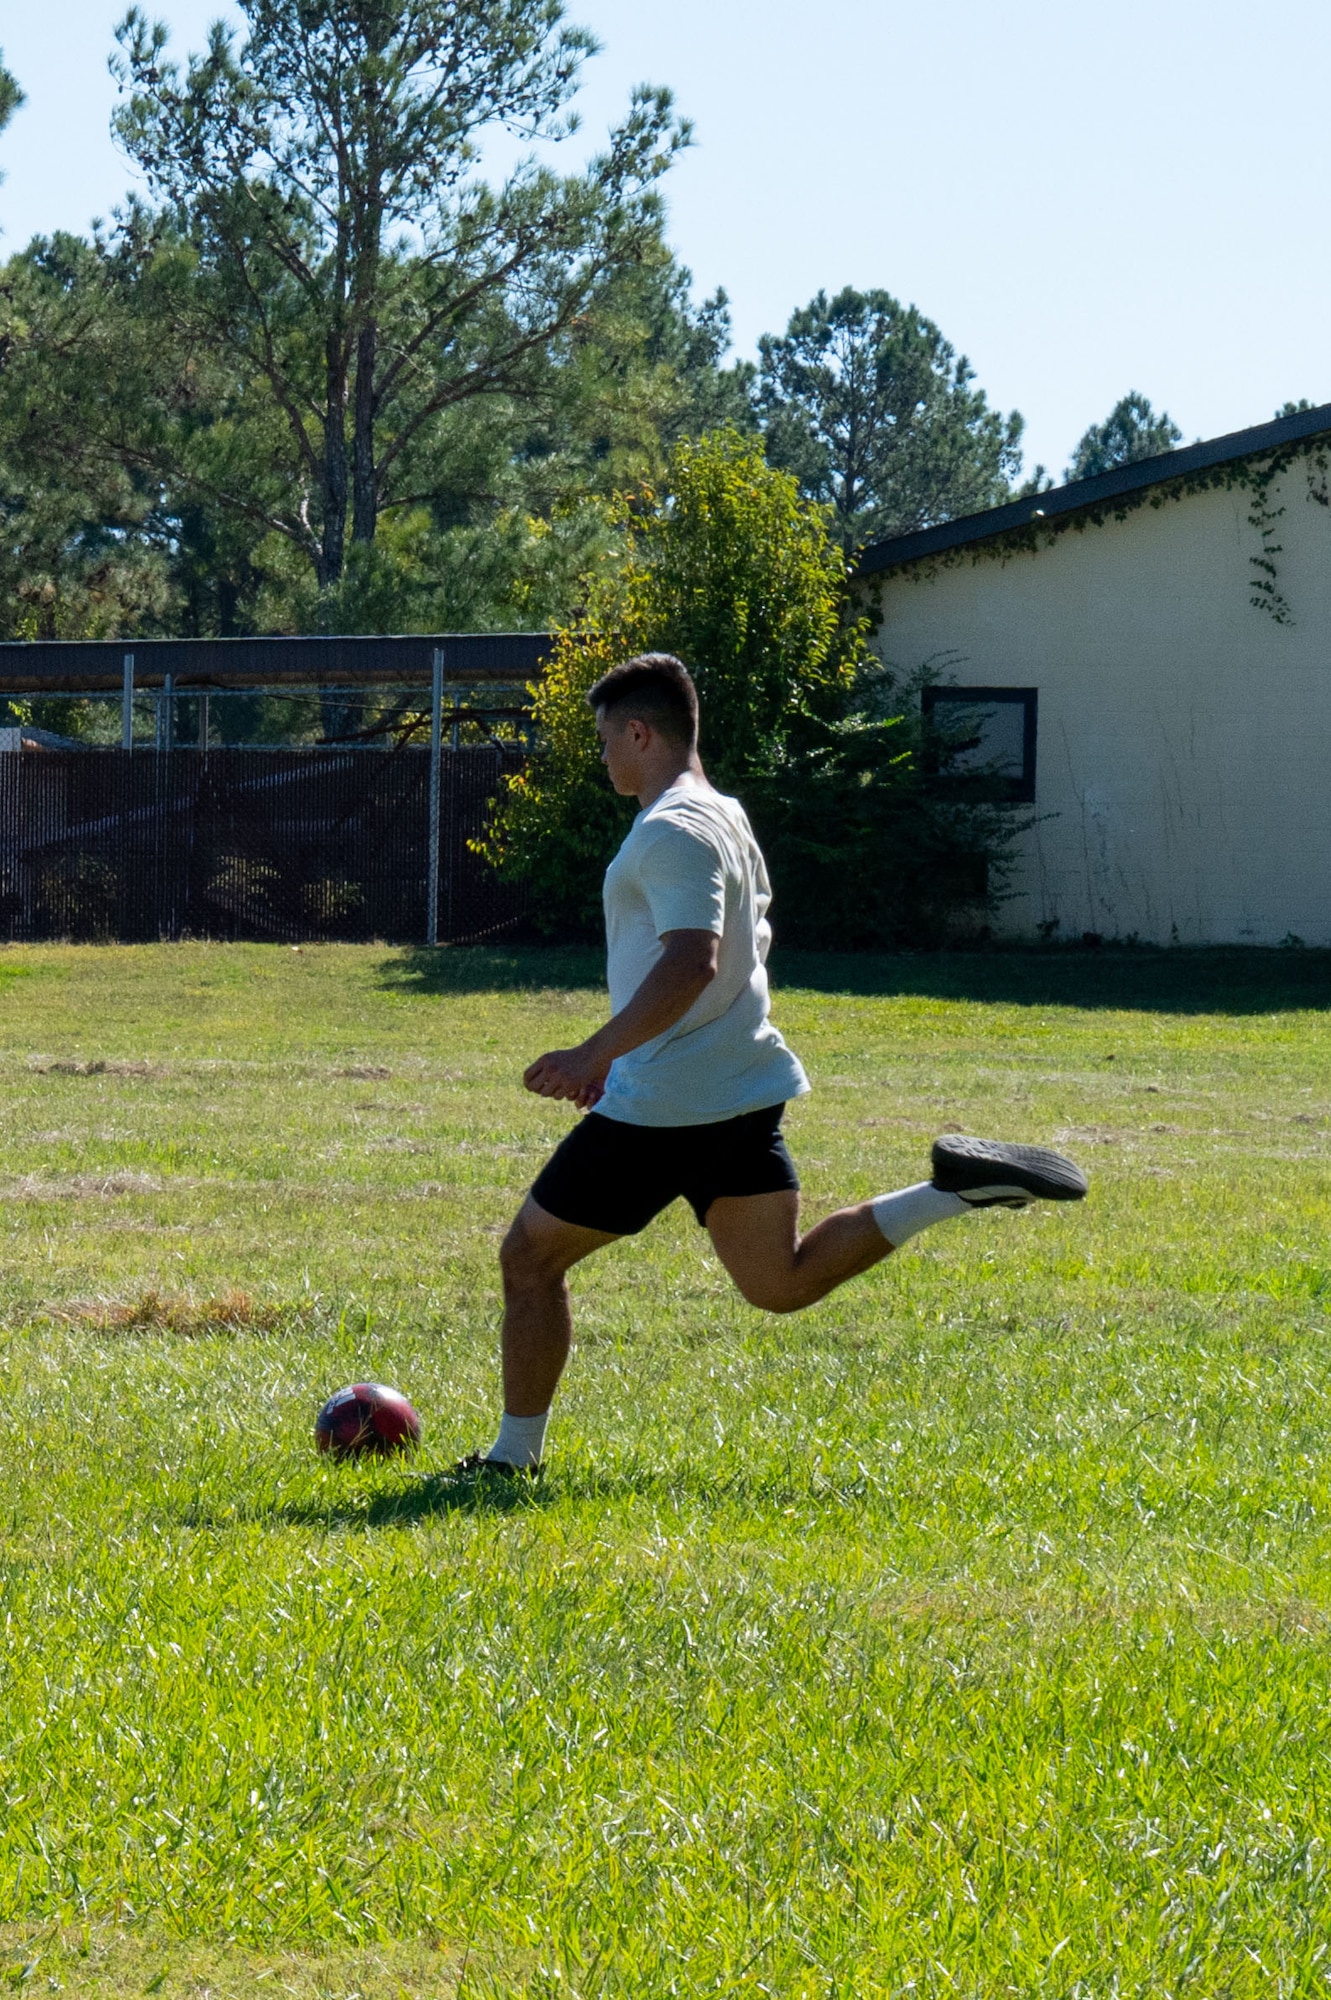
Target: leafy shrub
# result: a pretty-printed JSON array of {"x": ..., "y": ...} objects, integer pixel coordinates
[
  {"x": 729, "y": 568},
  {"x": 864, "y": 850}
]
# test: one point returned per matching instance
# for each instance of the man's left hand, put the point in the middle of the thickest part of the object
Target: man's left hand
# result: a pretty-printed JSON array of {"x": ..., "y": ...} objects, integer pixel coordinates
[{"x": 575, "y": 1075}]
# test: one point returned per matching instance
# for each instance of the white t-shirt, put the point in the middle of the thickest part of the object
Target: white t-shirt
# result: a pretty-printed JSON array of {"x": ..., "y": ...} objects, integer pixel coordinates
[{"x": 690, "y": 863}]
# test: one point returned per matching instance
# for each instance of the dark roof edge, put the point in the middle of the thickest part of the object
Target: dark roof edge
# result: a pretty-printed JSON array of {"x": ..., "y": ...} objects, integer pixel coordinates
[
  {"x": 898, "y": 550},
  {"x": 92, "y": 665}
]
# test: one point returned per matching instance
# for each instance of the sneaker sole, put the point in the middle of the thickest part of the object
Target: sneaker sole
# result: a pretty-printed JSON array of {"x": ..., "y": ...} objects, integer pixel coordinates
[
  {"x": 988, "y": 1167},
  {"x": 493, "y": 1468}
]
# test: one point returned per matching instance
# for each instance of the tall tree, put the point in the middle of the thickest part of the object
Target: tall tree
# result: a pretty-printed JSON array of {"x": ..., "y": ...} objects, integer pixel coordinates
[
  {"x": 144, "y": 474},
  {"x": 1132, "y": 430},
  {"x": 349, "y": 253},
  {"x": 84, "y": 550},
  {"x": 11, "y": 96},
  {"x": 876, "y": 414}
]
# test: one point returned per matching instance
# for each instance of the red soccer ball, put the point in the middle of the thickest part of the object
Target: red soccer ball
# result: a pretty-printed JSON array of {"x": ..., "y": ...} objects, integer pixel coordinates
[{"x": 368, "y": 1419}]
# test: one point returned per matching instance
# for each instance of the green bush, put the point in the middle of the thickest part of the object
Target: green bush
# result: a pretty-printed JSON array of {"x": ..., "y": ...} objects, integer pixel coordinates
[
  {"x": 729, "y": 568},
  {"x": 863, "y": 849}
]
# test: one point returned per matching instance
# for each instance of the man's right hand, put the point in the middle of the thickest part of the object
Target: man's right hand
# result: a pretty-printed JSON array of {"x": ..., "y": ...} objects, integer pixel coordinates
[
  {"x": 577, "y": 1076},
  {"x": 686, "y": 967}
]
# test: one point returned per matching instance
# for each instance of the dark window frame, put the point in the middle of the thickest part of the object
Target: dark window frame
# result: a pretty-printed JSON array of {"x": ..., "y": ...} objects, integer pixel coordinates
[{"x": 984, "y": 785}]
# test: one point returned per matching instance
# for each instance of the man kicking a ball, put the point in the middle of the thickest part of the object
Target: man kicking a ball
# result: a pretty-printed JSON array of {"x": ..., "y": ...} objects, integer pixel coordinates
[{"x": 684, "y": 1087}]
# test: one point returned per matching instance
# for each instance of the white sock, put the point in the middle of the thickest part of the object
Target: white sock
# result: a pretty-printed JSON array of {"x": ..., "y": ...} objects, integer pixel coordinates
[
  {"x": 905, "y": 1213},
  {"x": 521, "y": 1440}
]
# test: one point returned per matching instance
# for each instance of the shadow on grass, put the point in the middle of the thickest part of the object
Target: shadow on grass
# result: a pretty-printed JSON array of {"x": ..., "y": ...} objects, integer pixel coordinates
[
  {"x": 1180, "y": 981},
  {"x": 477, "y": 968},
  {"x": 1232, "y": 980},
  {"x": 430, "y": 1495},
  {"x": 423, "y": 1496}
]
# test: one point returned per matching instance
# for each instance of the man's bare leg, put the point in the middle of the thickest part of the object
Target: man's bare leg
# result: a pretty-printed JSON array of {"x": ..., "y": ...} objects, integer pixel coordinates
[
  {"x": 758, "y": 1240},
  {"x": 538, "y": 1322},
  {"x": 757, "y": 1237}
]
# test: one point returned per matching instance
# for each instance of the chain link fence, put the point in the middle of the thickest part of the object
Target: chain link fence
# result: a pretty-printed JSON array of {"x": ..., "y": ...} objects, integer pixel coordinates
[{"x": 290, "y": 845}]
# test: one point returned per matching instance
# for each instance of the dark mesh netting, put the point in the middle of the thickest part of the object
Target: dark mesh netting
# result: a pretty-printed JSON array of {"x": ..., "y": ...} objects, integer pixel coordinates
[{"x": 283, "y": 844}]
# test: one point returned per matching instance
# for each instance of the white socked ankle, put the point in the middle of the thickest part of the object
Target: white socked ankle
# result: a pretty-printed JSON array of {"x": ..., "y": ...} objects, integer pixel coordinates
[
  {"x": 521, "y": 1440},
  {"x": 905, "y": 1213}
]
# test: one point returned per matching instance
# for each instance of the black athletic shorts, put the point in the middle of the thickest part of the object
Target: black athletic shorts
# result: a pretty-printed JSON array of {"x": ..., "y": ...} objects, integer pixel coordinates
[{"x": 612, "y": 1176}]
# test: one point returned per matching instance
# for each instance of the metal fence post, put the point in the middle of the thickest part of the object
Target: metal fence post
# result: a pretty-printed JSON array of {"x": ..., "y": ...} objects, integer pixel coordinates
[
  {"x": 127, "y": 706},
  {"x": 454, "y": 806},
  {"x": 166, "y": 714},
  {"x": 436, "y": 763}
]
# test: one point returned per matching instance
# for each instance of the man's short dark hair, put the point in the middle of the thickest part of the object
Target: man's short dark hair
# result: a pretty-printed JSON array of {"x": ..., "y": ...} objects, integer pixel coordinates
[{"x": 654, "y": 688}]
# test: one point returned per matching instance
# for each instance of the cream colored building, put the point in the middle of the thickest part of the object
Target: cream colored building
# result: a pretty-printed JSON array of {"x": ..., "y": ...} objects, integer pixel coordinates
[{"x": 1176, "y": 736}]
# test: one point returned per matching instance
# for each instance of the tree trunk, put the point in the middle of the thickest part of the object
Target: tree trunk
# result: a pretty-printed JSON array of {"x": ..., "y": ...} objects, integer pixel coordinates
[
  {"x": 333, "y": 541},
  {"x": 364, "y": 485}
]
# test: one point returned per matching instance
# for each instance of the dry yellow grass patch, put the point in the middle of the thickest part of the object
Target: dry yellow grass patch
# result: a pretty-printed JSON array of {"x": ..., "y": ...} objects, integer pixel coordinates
[{"x": 232, "y": 1311}]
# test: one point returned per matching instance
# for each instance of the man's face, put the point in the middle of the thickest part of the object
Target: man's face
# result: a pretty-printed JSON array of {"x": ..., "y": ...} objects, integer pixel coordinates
[{"x": 620, "y": 750}]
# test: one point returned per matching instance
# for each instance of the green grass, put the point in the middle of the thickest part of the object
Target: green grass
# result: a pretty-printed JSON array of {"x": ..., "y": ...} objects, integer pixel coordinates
[{"x": 965, "y": 1635}]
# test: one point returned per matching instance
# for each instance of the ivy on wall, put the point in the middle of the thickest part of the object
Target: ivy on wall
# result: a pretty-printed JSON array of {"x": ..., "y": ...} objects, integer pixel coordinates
[{"x": 1257, "y": 477}]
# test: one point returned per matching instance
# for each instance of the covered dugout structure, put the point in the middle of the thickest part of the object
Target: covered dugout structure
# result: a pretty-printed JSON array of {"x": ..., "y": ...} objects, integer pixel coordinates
[{"x": 173, "y": 828}]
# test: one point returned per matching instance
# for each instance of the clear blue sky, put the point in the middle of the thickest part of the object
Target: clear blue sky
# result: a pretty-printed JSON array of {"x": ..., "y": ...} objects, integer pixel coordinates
[{"x": 1087, "y": 199}]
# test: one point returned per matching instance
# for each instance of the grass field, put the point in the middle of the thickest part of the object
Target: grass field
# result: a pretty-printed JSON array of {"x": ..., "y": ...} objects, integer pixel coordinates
[{"x": 967, "y": 1635}]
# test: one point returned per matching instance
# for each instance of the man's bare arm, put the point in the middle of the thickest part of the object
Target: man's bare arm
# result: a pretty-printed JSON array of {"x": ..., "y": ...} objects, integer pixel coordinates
[{"x": 685, "y": 969}]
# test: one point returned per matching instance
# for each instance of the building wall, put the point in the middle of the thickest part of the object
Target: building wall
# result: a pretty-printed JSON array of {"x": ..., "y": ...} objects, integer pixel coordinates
[{"x": 1183, "y": 776}]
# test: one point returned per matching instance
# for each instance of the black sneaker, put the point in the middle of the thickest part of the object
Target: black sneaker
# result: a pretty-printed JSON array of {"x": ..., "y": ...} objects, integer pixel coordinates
[
  {"x": 477, "y": 1466},
  {"x": 988, "y": 1173}
]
